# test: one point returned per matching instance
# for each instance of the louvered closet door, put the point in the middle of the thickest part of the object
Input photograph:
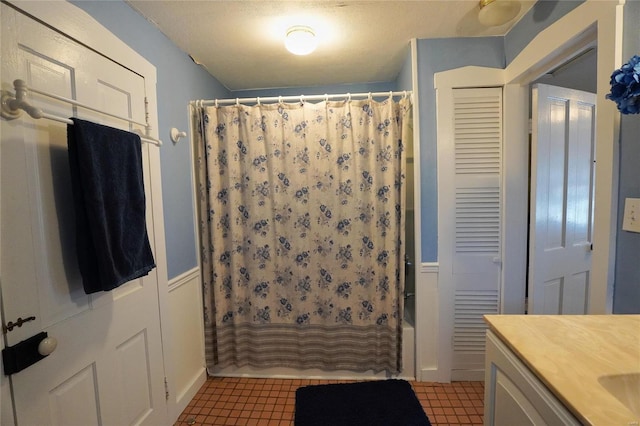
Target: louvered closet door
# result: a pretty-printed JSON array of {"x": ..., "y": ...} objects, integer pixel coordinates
[{"x": 477, "y": 134}]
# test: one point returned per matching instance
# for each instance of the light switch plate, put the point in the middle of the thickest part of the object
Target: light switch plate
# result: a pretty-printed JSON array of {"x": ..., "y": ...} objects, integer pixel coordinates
[{"x": 631, "y": 220}]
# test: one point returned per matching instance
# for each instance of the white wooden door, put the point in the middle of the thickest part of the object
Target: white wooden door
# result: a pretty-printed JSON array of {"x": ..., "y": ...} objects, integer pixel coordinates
[
  {"x": 108, "y": 366},
  {"x": 562, "y": 179},
  {"x": 469, "y": 198}
]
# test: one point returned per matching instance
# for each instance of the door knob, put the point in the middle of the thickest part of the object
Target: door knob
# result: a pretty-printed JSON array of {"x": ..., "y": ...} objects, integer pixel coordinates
[
  {"x": 27, "y": 352},
  {"x": 47, "y": 345}
]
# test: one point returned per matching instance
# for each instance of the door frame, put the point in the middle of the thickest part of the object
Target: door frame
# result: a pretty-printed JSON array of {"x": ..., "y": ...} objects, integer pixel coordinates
[
  {"x": 591, "y": 23},
  {"x": 81, "y": 27}
]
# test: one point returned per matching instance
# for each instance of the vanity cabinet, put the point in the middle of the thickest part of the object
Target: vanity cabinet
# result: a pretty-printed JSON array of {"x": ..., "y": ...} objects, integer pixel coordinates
[{"x": 514, "y": 395}]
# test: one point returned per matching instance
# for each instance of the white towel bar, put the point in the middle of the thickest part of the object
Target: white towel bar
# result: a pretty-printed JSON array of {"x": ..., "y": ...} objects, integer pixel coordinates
[{"x": 12, "y": 107}]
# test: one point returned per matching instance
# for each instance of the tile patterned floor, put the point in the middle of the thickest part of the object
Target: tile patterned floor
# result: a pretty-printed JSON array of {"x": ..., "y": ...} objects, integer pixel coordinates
[{"x": 271, "y": 402}]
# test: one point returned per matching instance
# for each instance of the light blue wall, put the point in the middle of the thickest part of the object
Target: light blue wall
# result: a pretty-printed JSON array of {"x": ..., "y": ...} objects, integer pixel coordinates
[
  {"x": 435, "y": 55},
  {"x": 626, "y": 296},
  {"x": 404, "y": 81},
  {"x": 316, "y": 90},
  {"x": 539, "y": 17},
  {"x": 179, "y": 80}
]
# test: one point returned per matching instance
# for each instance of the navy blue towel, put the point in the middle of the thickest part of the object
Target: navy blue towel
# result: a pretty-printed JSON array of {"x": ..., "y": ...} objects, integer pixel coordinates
[{"x": 108, "y": 192}]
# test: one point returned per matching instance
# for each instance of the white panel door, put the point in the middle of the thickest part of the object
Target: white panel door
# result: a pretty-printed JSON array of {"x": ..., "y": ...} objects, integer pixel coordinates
[
  {"x": 562, "y": 164},
  {"x": 108, "y": 366}
]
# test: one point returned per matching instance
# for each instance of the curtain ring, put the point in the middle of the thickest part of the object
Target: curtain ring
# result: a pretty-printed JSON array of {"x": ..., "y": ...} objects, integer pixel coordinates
[
  {"x": 390, "y": 95},
  {"x": 216, "y": 103},
  {"x": 302, "y": 99},
  {"x": 258, "y": 100},
  {"x": 237, "y": 101},
  {"x": 349, "y": 97},
  {"x": 326, "y": 97},
  {"x": 279, "y": 99},
  {"x": 370, "y": 97},
  {"x": 404, "y": 95}
]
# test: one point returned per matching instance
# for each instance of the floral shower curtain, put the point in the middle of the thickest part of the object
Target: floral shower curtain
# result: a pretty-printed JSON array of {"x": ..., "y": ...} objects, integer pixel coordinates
[{"x": 302, "y": 229}]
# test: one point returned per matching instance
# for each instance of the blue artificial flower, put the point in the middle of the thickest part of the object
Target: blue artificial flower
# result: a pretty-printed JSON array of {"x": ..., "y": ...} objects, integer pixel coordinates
[{"x": 625, "y": 87}]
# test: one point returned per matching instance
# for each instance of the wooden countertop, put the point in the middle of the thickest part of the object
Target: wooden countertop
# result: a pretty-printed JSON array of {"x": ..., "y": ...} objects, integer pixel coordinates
[{"x": 571, "y": 354}]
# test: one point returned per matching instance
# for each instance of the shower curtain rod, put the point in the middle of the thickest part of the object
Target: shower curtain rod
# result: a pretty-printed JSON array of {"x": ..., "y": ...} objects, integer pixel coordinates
[
  {"x": 300, "y": 98},
  {"x": 12, "y": 106}
]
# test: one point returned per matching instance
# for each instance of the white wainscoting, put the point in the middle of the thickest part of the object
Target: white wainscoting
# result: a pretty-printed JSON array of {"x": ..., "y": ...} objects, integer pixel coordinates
[
  {"x": 427, "y": 324},
  {"x": 186, "y": 349}
]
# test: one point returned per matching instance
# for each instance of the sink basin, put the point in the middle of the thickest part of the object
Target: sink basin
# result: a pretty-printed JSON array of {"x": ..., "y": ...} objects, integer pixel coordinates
[{"x": 626, "y": 388}]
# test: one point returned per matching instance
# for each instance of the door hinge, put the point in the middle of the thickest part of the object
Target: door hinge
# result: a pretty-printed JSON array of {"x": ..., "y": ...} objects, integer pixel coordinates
[{"x": 166, "y": 389}]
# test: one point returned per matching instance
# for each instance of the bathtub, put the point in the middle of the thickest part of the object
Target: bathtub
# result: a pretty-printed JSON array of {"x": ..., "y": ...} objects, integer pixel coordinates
[{"x": 408, "y": 362}]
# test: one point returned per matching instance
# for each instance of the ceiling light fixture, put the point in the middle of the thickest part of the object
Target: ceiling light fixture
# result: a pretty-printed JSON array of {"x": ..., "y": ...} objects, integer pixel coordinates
[
  {"x": 494, "y": 13},
  {"x": 300, "y": 40}
]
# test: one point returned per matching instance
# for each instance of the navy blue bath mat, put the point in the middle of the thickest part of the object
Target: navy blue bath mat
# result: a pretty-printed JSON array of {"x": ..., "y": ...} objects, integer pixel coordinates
[{"x": 376, "y": 403}]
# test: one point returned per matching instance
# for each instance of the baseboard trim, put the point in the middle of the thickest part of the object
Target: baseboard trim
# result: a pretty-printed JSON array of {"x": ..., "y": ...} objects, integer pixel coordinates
[
  {"x": 184, "y": 398},
  {"x": 430, "y": 375},
  {"x": 467, "y": 375}
]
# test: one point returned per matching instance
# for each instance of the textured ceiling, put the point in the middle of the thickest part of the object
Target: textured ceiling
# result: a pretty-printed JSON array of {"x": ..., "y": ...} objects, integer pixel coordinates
[{"x": 241, "y": 42}]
